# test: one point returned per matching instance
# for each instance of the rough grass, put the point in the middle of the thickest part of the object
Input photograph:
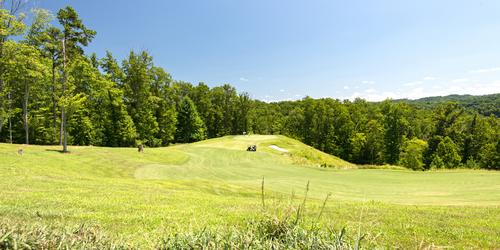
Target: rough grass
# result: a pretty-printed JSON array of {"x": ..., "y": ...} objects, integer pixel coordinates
[
  {"x": 143, "y": 199},
  {"x": 43, "y": 237},
  {"x": 269, "y": 232}
]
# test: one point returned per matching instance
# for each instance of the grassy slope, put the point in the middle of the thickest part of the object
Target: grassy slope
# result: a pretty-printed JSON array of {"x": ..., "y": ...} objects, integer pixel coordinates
[{"x": 216, "y": 182}]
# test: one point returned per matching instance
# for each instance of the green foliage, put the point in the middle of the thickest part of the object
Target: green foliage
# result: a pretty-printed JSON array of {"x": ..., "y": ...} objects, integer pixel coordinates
[
  {"x": 486, "y": 105},
  {"x": 358, "y": 142},
  {"x": 164, "y": 105},
  {"x": 471, "y": 163},
  {"x": 447, "y": 151},
  {"x": 490, "y": 155},
  {"x": 412, "y": 154},
  {"x": 324, "y": 124},
  {"x": 81, "y": 129},
  {"x": 75, "y": 34},
  {"x": 395, "y": 125},
  {"x": 189, "y": 124},
  {"x": 373, "y": 150},
  {"x": 37, "y": 34},
  {"x": 10, "y": 25},
  {"x": 24, "y": 73},
  {"x": 112, "y": 70},
  {"x": 45, "y": 78},
  {"x": 137, "y": 86},
  {"x": 475, "y": 135},
  {"x": 119, "y": 128},
  {"x": 437, "y": 162}
]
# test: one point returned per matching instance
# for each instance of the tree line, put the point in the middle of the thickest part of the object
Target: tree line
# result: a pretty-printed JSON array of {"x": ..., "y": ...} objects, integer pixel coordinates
[
  {"x": 389, "y": 132},
  {"x": 52, "y": 93}
]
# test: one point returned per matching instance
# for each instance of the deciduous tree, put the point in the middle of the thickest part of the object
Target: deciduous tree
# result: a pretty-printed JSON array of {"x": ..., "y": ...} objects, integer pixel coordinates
[{"x": 190, "y": 127}]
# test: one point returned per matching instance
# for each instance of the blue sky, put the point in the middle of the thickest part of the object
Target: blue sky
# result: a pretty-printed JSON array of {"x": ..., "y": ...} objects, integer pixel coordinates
[{"x": 281, "y": 50}]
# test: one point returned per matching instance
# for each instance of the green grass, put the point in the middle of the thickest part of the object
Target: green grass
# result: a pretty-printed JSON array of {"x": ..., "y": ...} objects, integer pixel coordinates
[{"x": 136, "y": 198}]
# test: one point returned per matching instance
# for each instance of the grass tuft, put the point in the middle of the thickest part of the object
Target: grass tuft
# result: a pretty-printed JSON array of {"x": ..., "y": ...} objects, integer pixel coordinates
[
  {"x": 265, "y": 233},
  {"x": 272, "y": 230},
  {"x": 44, "y": 237}
]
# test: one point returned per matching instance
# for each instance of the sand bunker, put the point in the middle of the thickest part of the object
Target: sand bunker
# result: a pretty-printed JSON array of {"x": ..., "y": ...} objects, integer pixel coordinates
[{"x": 278, "y": 148}]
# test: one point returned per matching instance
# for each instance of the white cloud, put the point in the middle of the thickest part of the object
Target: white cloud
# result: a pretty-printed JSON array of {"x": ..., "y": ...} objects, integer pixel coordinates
[
  {"x": 430, "y": 78},
  {"x": 415, "y": 90},
  {"x": 460, "y": 80},
  {"x": 351, "y": 97},
  {"x": 243, "y": 79},
  {"x": 456, "y": 89},
  {"x": 374, "y": 97},
  {"x": 484, "y": 89},
  {"x": 415, "y": 93},
  {"x": 460, "y": 88},
  {"x": 368, "y": 82},
  {"x": 269, "y": 98},
  {"x": 442, "y": 89},
  {"x": 477, "y": 71},
  {"x": 415, "y": 83}
]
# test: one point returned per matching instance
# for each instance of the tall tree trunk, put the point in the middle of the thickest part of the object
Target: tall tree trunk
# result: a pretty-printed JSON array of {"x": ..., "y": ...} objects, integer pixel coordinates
[
  {"x": 1, "y": 104},
  {"x": 1, "y": 124},
  {"x": 54, "y": 101},
  {"x": 10, "y": 118},
  {"x": 10, "y": 129},
  {"x": 2, "y": 40},
  {"x": 65, "y": 140},
  {"x": 61, "y": 128},
  {"x": 64, "y": 132},
  {"x": 25, "y": 111}
]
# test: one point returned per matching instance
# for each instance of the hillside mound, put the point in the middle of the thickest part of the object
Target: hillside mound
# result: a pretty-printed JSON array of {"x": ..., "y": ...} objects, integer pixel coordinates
[{"x": 288, "y": 148}]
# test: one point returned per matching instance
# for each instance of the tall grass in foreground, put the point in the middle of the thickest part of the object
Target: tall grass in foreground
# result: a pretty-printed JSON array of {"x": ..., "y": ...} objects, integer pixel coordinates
[
  {"x": 283, "y": 228},
  {"x": 43, "y": 237}
]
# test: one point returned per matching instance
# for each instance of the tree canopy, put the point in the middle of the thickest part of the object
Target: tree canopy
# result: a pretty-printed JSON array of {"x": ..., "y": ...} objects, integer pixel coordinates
[{"x": 52, "y": 92}]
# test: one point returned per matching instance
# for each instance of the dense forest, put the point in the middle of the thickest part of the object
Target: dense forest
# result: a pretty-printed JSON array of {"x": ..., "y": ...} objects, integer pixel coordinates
[
  {"x": 485, "y": 105},
  {"x": 51, "y": 92}
]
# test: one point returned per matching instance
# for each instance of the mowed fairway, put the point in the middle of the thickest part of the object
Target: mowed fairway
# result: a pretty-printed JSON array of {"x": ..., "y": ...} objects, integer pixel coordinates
[{"x": 216, "y": 183}]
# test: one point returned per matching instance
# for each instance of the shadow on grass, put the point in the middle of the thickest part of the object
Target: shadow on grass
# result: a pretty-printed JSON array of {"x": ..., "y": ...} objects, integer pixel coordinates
[{"x": 56, "y": 150}]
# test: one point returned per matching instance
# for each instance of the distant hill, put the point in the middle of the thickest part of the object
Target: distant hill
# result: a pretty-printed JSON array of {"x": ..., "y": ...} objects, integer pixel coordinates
[{"x": 484, "y": 104}]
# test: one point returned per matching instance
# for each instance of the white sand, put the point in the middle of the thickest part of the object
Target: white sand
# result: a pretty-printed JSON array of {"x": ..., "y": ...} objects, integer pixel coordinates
[{"x": 278, "y": 148}]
